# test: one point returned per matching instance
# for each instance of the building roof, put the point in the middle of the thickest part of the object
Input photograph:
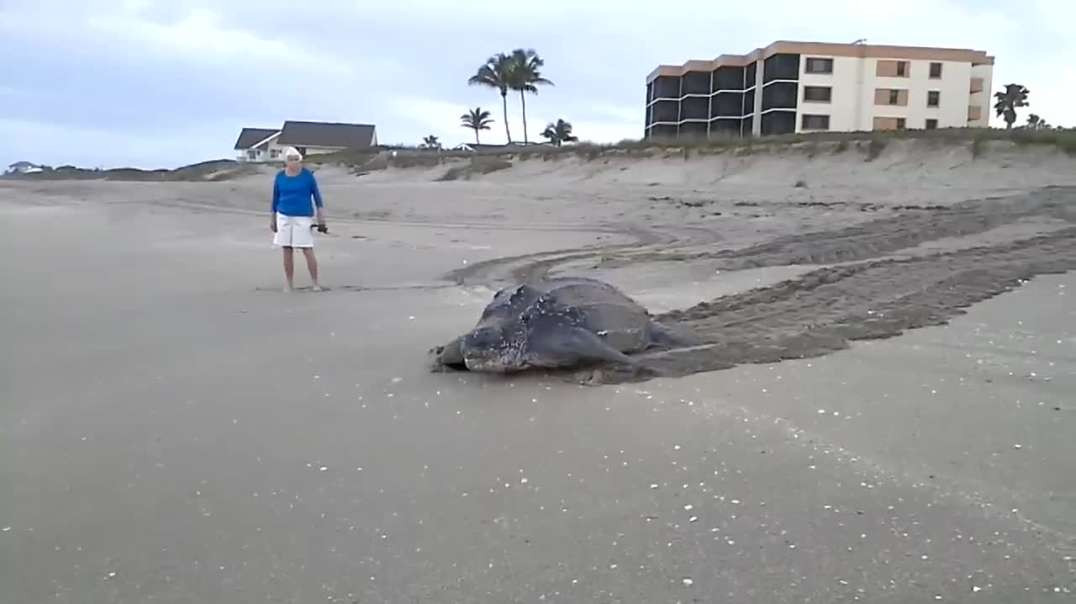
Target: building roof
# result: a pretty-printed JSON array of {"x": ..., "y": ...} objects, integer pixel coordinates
[
  {"x": 327, "y": 134},
  {"x": 881, "y": 51},
  {"x": 249, "y": 137},
  {"x": 22, "y": 164}
]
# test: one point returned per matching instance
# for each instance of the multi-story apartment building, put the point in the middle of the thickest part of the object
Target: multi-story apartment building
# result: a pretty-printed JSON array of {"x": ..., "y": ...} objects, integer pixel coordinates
[{"x": 791, "y": 87}]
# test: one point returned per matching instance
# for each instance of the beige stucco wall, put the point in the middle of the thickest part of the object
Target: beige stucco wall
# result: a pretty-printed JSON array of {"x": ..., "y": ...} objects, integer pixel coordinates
[
  {"x": 855, "y": 83},
  {"x": 844, "y": 106},
  {"x": 983, "y": 99}
]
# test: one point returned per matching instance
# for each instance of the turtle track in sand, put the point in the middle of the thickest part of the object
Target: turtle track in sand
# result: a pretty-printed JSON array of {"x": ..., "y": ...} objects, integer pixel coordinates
[
  {"x": 876, "y": 286},
  {"x": 826, "y": 309},
  {"x": 868, "y": 296}
]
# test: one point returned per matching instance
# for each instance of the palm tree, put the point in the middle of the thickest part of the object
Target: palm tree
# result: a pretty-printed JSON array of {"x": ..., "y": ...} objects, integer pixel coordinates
[
  {"x": 525, "y": 76},
  {"x": 560, "y": 132},
  {"x": 1015, "y": 96},
  {"x": 496, "y": 73},
  {"x": 431, "y": 142},
  {"x": 1035, "y": 122},
  {"x": 476, "y": 119}
]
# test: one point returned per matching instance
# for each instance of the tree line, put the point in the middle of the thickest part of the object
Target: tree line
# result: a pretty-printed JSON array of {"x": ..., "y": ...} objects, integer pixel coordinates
[
  {"x": 518, "y": 71},
  {"x": 521, "y": 71},
  {"x": 1012, "y": 98}
]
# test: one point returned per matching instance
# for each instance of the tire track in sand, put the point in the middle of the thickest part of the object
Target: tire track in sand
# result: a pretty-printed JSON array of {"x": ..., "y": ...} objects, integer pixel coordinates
[{"x": 862, "y": 241}]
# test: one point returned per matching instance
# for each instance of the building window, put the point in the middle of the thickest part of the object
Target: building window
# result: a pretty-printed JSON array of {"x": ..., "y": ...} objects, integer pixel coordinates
[
  {"x": 815, "y": 122},
  {"x": 892, "y": 69},
  {"x": 252, "y": 154},
  {"x": 817, "y": 94},
  {"x": 815, "y": 65},
  {"x": 933, "y": 98},
  {"x": 932, "y": 124},
  {"x": 890, "y": 96},
  {"x": 935, "y": 70},
  {"x": 889, "y": 123}
]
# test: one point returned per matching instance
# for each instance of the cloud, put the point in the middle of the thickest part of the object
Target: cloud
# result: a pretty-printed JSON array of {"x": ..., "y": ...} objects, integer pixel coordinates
[
  {"x": 201, "y": 35},
  {"x": 437, "y": 117},
  {"x": 177, "y": 79},
  {"x": 94, "y": 147}
]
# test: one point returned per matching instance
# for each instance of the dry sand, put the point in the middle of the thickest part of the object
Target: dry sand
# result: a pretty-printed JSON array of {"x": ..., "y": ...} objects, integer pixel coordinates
[{"x": 173, "y": 429}]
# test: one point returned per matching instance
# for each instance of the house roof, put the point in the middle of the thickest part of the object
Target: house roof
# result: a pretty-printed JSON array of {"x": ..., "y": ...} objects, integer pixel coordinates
[
  {"x": 513, "y": 146},
  {"x": 326, "y": 134},
  {"x": 249, "y": 137},
  {"x": 23, "y": 164}
]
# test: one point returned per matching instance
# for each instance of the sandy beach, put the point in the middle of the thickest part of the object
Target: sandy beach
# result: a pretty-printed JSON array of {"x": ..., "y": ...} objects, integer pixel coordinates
[{"x": 884, "y": 409}]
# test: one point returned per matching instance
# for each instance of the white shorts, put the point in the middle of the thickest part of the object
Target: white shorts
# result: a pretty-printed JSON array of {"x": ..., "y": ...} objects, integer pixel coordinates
[{"x": 293, "y": 231}]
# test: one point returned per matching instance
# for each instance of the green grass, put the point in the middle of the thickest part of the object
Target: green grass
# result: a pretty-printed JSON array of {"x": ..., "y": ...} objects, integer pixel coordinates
[
  {"x": 354, "y": 158},
  {"x": 976, "y": 147},
  {"x": 212, "y": 171},
  {"x": 477, "y": 166},
  {"x": 875, "y": 148},
  {"x": 874, "y": 142}
]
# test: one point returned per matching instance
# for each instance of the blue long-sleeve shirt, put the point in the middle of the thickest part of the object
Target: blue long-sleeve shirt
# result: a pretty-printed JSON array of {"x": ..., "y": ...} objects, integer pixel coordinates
[{"x": 292, "y": 194}]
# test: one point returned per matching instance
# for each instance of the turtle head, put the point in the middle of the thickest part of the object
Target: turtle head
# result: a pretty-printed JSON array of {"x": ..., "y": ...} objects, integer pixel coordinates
[
  {"x": 535, "y": 337},
  {"x": 497, "y": 343},
  {"x": 494, "y": 348}
]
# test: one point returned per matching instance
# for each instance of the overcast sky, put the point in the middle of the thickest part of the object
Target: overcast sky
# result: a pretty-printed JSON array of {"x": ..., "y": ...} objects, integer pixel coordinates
[{"x": 160, "y": 84}]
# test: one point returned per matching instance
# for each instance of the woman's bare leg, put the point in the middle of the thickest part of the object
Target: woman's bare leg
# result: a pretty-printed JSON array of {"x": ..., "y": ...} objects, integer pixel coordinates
[
  {"x": 312, "y": 266},
  {"x": 289, "y": 268}
]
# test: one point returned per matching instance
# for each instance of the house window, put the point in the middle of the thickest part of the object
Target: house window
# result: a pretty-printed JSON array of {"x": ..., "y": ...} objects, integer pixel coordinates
[
  {"x": 902, "y": 69},
  {"x": 252, "y": 154},
  {"x": 275, "y": 153},
  {"x": 935, "y": 70},
  {"x": 933, "y": 98},
  {"x": 932, "y": 124},
  {"x": 901, "y": 123},
  {"x": 894, "y": 97},
  {"x": 817, "y": 94},
  {"x": 815, "y": 65},
  {"x": 815, "y": 122}
]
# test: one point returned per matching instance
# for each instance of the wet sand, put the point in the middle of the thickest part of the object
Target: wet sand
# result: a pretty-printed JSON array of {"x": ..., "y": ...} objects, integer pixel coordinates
[{"x": 175, "y": 430}]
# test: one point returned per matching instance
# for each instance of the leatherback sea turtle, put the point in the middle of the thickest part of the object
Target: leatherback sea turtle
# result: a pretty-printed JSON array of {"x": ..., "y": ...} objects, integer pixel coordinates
[{"x": 556, "y": 323}]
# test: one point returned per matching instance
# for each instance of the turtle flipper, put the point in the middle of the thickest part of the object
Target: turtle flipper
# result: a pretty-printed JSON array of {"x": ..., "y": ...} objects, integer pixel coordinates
[
  {"x": 571, "y": 347},
  {"x": 662, "y": 336}
]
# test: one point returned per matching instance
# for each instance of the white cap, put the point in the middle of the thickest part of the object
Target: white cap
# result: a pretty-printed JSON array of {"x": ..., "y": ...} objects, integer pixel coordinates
[{"x": 292, "y": 152}]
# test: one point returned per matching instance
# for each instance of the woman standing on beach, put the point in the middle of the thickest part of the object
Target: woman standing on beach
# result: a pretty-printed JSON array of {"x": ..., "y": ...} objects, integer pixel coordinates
[{"x": 295, "y": 200}]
